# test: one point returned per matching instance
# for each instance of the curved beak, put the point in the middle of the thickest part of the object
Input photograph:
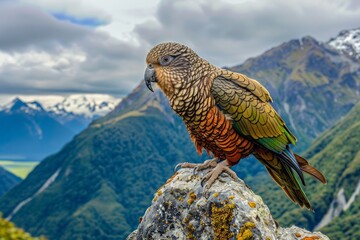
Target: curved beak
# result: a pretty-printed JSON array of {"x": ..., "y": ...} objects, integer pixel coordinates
[{"x": 150, "y": 77}]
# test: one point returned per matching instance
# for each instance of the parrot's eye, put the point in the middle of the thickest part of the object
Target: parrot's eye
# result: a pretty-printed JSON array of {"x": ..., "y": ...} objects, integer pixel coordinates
[{"x": 166, "y": 60}]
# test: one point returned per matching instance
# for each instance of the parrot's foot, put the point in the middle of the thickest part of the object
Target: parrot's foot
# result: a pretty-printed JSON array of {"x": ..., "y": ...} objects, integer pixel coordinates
[
  {"x": 211, "y": 176},
  {"x": 211, "y": 163}
]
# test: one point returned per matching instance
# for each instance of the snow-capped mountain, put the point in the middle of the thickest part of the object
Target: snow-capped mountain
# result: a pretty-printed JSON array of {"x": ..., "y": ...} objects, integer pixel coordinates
[
  {"x": 35, "y": 126},
  {"x": 28, "y": 131},
  {"x": 89, "y": 105},
  {"x": 17, "y": 105},
  {"x": 348, "y": 42}
]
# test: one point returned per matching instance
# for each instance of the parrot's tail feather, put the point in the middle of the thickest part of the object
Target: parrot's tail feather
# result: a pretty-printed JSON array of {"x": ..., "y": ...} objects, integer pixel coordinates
[
  {"x": 288, "y": 158},
  {"x": 306, "y": 167},
  {"x": 283, "y": 175},
  {"x": 291, "y": 187}
]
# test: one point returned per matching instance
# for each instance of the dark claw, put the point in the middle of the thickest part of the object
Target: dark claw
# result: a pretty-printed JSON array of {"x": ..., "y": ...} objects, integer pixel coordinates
[
  {"x": 205, "y": 178},
  {"x": 205, "y": 192},
  {"x": 195, "y": 170},
  {"x": 202, "y": 182},
  {"x": 179, "y": 165}
]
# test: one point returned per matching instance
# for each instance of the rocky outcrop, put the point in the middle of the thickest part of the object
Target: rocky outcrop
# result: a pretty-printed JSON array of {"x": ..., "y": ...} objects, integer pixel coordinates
[{"x": 228, "y": 210}]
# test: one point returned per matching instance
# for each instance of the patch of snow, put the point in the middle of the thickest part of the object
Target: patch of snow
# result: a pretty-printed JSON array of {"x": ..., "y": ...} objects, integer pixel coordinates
[
  {"x": 334, "y": 210},
  {"x": 45, "y": 100},
  {"x": 88, "y": 105},
  {"x": 18, "y": 207},
  {"x": 287, "y": 110},
  {"x": 301, "y": 43},
  {"x": 7, "y": 107},
  {"x": 302, "y": 104},
  {"x": 18, "y": 104},
  {"x": 35, "y": 106},
  {"x": 38, "y": 130},
  {"x": 347, "y": 41},
  {"x": 48, "y": 182},
  {"x": 352, "y": 197}
]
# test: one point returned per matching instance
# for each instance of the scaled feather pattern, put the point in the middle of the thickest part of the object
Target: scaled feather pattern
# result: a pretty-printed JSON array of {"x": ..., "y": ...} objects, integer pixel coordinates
[{"x": 229, "y": 115}]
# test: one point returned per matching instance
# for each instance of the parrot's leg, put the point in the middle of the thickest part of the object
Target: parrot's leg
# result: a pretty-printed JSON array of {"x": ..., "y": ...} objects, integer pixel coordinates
[
  {"x": 211, "y": 163},
  {"x": 211, "y": 176}
]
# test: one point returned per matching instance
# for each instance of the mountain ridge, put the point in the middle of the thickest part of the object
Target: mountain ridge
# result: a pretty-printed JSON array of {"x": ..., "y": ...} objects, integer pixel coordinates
[
  {"x": 122, "y": 158},
  {"x": 291, "y": 69},
  {"x": 7, "y": 180},
  {"x": 31, "y": 130},
  {"x": 107, "y": 177},
  {"x": 86, "y": 105},
  {"x": 348, "y": 42},
  {"x": 28, "y": 131}
]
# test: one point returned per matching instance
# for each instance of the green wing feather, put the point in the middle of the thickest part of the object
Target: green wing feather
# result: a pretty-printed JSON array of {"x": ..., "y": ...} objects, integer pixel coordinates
[{"x": 248, "y": 103}]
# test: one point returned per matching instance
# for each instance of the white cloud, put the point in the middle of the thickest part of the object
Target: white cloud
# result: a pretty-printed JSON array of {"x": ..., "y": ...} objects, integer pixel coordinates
[
  {"x": 34, "y": 58},
  {"x": 121, "y": 15},
  {"x": 40, "y": 54},
  {"x": 229, "y": 32}
]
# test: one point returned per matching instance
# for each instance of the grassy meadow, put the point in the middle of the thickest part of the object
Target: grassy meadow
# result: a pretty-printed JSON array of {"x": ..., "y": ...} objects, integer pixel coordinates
[{"x": 19, "y": 168}]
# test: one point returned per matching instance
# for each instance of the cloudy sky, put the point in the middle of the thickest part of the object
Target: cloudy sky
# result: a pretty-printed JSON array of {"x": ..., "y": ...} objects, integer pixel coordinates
[{"x": 60, "y": 47}]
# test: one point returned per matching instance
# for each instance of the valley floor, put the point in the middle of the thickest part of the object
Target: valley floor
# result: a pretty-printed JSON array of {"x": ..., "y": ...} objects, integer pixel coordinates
[{"x": 19, "y": 168}]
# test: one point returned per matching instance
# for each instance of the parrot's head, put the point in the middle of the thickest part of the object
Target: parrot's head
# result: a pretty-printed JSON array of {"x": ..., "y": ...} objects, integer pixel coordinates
[{"x": 170, "y": 64}]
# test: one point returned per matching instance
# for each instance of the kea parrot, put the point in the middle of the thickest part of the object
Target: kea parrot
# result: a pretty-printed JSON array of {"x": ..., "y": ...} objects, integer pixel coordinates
[{"x": 229, "y": 115}]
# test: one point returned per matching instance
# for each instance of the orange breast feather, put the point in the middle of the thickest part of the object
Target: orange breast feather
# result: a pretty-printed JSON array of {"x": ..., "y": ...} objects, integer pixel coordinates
[{"x": 216, "y": 134}]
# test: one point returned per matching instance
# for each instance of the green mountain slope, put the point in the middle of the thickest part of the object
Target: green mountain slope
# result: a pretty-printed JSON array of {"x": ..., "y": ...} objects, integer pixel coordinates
[
  {"x": 7, "y": 180},
  {"x": 104, "y": 179},
  {"x": 312, "y": 85},
  {"x": 101, "y": 182},
  {"x": 346, "y": 226}
]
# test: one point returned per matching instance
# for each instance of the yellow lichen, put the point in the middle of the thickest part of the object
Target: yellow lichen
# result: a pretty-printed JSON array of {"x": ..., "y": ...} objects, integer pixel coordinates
[
  {"x": 311, "y": 238},
  {"x": 250, "y": 225},
  {"x": 245, "y": 235},
  {"x": 231, "y": 197},
  {"x": 158, "y": 193},
  {"x": 245, "y": 231},
  {"x": 216, "y": 194},
  {"x": 8, "y": 231},
  {"x": 221, "y": 218},
  {"x": 192, "y": 197},
  {"x": 190, "y": 234},
  {"x": 297, "y": 235},
  {"x": 172, "y": 177},
  {"x": 252, "y": 204}
]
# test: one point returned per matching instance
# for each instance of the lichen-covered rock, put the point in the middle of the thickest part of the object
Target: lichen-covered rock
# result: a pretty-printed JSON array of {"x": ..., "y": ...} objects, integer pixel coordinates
[{"x": 228, "y": 210}]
